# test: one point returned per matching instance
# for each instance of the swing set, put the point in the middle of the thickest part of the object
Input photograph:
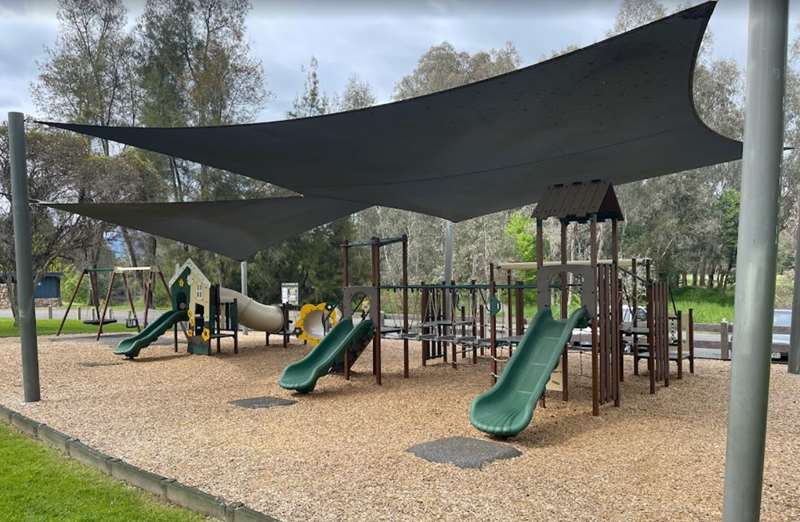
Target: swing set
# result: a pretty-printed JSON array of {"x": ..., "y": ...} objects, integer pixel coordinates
[{"x": 151, "y": 276}]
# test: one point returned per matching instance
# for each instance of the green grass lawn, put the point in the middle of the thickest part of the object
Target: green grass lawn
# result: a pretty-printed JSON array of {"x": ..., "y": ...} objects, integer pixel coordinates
[
  {"x": 37, "y": 483},
  {"x": 710, "y": 305},
  {"x": 50, "y": 327}
]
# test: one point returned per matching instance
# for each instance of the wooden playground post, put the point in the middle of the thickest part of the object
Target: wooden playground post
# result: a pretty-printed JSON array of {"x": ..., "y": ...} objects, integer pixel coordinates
[
  {"x": 595, "y": 383},
  {"x": 564, "y": 311},
  {"x": 405, "y": 306},
  {"x": 616, "y": 315},
  {"x": 602, "y": 331},
  {"x": 680, "y": 344},
  {"x": 563, "y": 275},
  {"x": 105, "y": 306},
  {"x": 130, "y": 300},
  {"x": 423, "y": 305},
  {"x": 148, "y": 283},
  {"x": 345, "y": 284},
  {"x": 71, "y": 300},
  {"x": 509, "y": 305},
  {"x": 520, "y": 309},
  {"x": 376, "y": 282},
  {"x": 95, "y": 292},
  {"x": 691, "y": 340},
  {"x": 665, "y": 330},
  {"x": 474, "y": 312},
  {"x": 650, "y": 337},
  {"x": 450, "y": 316},
  {"x": 492, "y": 324},
  {"x": 634, "y": 320},
  {"x": 481, "y": 326}
]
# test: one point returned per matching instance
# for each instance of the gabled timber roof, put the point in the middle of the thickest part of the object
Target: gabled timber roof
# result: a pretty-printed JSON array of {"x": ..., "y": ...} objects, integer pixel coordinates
[{"x": 579, "y": 202}]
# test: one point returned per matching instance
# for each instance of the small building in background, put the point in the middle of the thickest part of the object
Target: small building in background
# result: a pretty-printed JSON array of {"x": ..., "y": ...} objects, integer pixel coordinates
[
  {"x": 46, "y": 293},
  {"x": 48, "y": 289}
]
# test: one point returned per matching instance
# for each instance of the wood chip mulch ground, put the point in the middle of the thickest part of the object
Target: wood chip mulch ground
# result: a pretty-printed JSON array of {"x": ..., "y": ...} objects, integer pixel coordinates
[{"x": 340, "y": 453}]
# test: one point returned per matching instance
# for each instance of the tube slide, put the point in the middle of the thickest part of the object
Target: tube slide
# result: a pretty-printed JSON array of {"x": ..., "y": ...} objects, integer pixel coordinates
[
  {"x": 252, "y": 314},
  {"x": 507, "y": 408}
]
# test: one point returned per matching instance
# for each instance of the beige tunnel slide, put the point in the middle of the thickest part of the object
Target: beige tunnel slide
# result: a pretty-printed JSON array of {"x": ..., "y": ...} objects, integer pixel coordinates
[{"x": 252, "y": 314}]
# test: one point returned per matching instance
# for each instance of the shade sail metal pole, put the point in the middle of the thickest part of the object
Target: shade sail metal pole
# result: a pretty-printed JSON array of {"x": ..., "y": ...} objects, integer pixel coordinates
[
  {"x": 243, "y": 272},
  {"x": 755, "y": 259},
  {"x": 448, "y": 264},
  {"x": 794, "y": 340},
  {"x": 23, "y": 257}
]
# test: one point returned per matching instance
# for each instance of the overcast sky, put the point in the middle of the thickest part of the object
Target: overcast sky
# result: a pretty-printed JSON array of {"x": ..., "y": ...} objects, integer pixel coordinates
[{"x": 379, "y": 41}]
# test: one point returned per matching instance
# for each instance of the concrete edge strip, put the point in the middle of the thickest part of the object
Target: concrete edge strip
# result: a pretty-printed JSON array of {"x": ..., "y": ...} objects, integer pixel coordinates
[{"x": 166, "y": 489}]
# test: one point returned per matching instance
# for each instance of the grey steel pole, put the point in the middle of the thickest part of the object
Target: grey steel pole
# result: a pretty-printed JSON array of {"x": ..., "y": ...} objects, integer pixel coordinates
[
  {"x": 448, "y": 264},
  {"x": 243, "y": 273},
  {"x": 23, "y": 257},
  {"x": 794, "y": 340},
  {"x": 755, "y": 259}
]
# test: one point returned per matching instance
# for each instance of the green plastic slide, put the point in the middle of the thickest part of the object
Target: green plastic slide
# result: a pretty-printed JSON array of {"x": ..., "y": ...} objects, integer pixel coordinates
[
  {"x": 507, "y": 408},
  {"x": 131, "y": 346},
  {"x": 302, "y": 375}
]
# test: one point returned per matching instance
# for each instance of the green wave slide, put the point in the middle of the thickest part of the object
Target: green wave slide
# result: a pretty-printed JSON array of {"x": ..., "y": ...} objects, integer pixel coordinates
[
  {"x": 302, "y": 375},
  {"x": 131, "y": 346},
  {"x": 507, "y": 408}
]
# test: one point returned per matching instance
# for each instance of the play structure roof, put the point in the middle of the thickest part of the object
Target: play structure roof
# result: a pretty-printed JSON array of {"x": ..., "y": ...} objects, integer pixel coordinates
[
  {"x": 619, "y": 110},
  {"x": 579, "y": 202},
  {"x": 235, "y": 228}
]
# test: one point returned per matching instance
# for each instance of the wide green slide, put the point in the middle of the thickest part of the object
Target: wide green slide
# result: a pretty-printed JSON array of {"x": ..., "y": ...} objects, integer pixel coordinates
[
  {"x": 302, "y": 375},
  {"x": 131, "y": 346},
  {"x": 507, "y": 408}
]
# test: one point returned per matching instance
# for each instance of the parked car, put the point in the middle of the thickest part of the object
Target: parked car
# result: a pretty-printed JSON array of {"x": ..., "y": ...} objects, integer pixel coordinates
[
  {"x": 641, "y": 314},
  {"x": 781, "y": 317}
]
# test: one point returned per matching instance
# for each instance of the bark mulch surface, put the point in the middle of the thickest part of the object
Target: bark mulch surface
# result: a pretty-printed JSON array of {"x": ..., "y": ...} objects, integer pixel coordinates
[{"x": 340, "y": 453}]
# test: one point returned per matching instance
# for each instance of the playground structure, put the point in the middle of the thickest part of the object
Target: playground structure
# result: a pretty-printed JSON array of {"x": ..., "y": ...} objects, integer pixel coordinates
[
  {"x": 535, "y": 355},
  {"x": 668, "y": 142},
  {"x": 211, "y": 311},
  {"x": 150, "y": 275},
  {"x": 340, "y": 348}
]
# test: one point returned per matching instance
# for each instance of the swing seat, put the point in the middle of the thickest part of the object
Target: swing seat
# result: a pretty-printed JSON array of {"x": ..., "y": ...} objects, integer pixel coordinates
[{"x": 97, "y": 321}]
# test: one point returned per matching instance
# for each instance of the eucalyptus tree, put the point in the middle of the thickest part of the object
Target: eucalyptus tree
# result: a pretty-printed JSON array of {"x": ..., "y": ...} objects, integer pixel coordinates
[
  {"x": 357, "y": 94},
  {"x": 88, "y": 75},
  {"x": 197, "y": 69},
  {"x": 313, "y": 101}
]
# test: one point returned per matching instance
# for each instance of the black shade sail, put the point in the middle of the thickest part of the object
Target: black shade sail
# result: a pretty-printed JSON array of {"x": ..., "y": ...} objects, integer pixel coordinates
[
  {"x": 619, "y": 110},
  {"x": 236, "y": 229}
]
